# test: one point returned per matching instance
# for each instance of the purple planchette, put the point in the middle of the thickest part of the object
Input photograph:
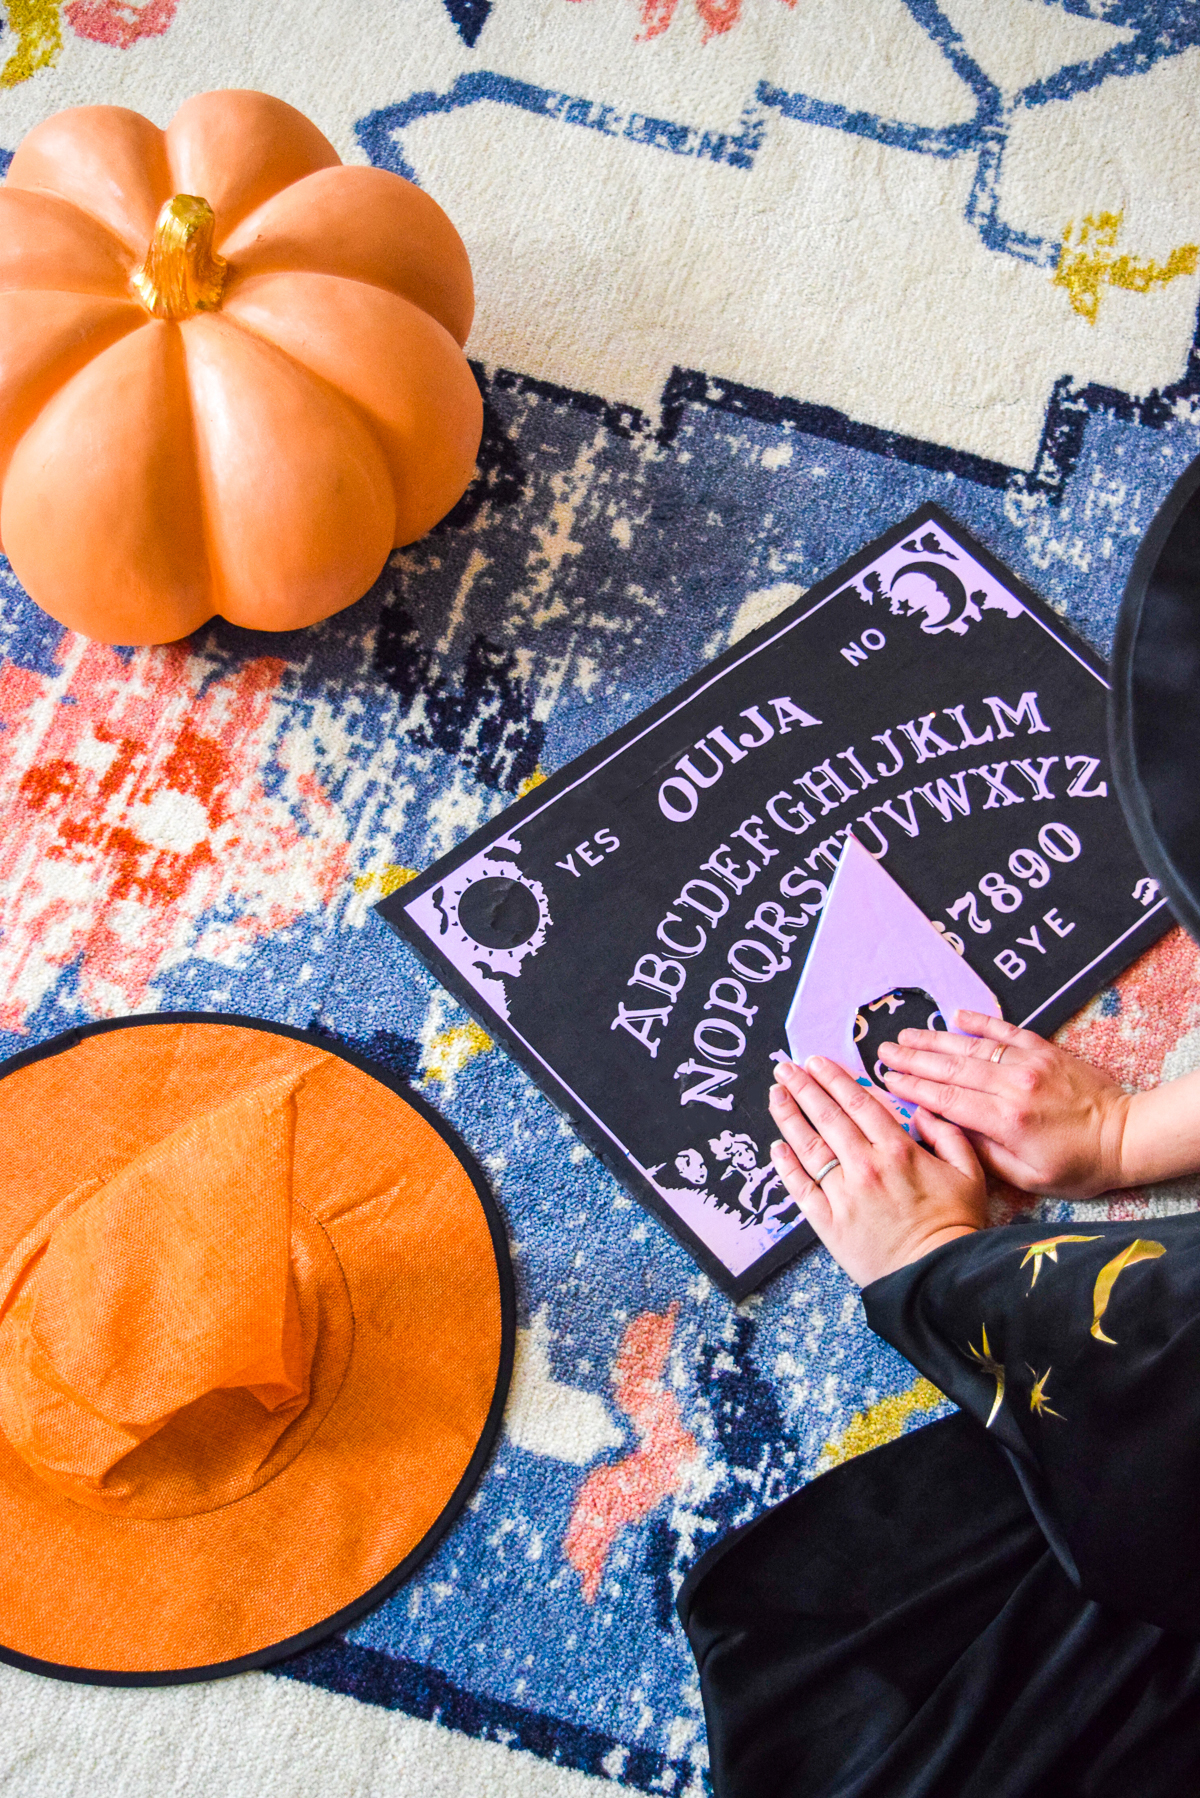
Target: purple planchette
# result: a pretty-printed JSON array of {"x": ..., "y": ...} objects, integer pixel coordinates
[{"x": 876, "y": 966}]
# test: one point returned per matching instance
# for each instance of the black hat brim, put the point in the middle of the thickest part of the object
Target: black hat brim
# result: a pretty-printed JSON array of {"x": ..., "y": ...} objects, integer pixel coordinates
[{"x": 1154, "y": 709}]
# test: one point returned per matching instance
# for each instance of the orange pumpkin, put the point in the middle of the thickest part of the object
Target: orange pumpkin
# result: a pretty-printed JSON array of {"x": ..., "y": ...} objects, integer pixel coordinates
[{"x": 231, "y": 373}]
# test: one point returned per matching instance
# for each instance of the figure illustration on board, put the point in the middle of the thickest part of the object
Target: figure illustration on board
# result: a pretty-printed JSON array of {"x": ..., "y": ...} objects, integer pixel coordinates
[
  {"x": 761, "y": 1188},
  {"x": 755, "y": 1200},
  {"x": 692, "y": 1168}
]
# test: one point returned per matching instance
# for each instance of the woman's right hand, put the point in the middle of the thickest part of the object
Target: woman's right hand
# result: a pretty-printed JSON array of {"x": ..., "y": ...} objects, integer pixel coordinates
[{"x": 1038, "y": 1117}]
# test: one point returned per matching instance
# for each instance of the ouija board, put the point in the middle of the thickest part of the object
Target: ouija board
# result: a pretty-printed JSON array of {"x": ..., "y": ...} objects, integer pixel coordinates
[{"x": 634, "y": 929}]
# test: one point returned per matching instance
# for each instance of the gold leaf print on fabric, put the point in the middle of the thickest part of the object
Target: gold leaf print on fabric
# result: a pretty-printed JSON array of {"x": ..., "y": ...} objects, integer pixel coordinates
[
  {"x": 1087, "y": 261},
  {"x": 1038, "y": 1400},
  {"x": 990, "y": 1365},
  {"x": 1107, "y": 1278},
  {"x": 1038, "y": 1250}
]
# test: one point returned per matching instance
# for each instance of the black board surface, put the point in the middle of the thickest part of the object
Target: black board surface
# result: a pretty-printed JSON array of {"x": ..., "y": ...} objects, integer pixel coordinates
[{"x": 634, "y": 929}]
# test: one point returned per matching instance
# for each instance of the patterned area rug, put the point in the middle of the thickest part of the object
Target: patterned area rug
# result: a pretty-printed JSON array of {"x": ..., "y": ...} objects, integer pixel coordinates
[{"x": 756, "y": 278}]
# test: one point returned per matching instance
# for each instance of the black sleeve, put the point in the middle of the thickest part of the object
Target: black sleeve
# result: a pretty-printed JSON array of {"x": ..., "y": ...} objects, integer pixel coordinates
[{"x": 1079, "y": 1350}]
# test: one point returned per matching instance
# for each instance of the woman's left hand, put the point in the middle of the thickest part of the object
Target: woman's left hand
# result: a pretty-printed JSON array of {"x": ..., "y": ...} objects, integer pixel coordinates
[{"x": 888, "y": 1201}]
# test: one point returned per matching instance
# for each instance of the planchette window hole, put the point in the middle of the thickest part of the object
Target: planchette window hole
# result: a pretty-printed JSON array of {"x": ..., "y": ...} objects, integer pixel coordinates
[{"x": 882, "y": 1020}]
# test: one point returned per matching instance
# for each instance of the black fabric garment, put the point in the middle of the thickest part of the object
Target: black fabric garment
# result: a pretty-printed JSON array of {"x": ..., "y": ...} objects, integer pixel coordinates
[{"x": 1005, "y": 1604}]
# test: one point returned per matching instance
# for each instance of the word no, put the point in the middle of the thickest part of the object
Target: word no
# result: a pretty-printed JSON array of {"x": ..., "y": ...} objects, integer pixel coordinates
[{"x": 858, "y": 652}]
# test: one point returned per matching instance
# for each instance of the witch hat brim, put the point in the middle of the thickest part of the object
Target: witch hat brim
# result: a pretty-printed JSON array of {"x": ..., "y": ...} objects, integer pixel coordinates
[
  {"x": 1154, "y": 706},
  {"x": 402, "y": 1406}
]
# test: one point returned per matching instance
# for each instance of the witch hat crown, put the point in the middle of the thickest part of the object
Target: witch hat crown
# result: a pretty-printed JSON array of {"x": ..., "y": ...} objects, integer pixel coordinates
[{"x": 256, "y": 1329}]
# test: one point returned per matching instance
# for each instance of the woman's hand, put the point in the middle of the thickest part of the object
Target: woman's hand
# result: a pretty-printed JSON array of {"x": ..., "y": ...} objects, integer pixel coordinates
[
  {"x": 1038, "y": 1117},
  {"x": 888, "y": 1201}
]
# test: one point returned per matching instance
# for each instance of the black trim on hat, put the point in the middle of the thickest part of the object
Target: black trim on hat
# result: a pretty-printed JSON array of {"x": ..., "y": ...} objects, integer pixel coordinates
[
  {"x": 384, "y": 1588},
  {"x": 1154, "y": 707}
]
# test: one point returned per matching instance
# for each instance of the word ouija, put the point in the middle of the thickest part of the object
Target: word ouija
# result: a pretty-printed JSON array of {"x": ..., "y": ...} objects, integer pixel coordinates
[
  {"x": 679, "y": 794},
  {"x": 828, "y": 787}
]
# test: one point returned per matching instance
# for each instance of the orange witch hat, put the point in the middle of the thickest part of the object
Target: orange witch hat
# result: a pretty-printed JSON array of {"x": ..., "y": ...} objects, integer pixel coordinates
[{"x": 256, "y": 1325}]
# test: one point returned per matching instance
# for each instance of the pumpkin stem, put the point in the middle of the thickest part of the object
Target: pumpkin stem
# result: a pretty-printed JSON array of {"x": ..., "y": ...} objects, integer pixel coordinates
[{"x": 182, "y": 273}]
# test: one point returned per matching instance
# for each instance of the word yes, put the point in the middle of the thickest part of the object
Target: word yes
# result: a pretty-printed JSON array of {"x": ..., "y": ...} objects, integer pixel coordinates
[{"x": 604, "y": 840}]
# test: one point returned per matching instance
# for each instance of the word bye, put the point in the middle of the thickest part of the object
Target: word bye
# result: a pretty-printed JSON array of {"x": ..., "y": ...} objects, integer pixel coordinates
[
  {"x": 1014, "y": 965},
  {"x": 1059, "y": 844},
  {"x": 604, "y": 841}
]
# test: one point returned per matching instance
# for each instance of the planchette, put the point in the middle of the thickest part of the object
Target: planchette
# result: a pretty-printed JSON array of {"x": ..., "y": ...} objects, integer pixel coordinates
[{"x": 877, "y": 965}]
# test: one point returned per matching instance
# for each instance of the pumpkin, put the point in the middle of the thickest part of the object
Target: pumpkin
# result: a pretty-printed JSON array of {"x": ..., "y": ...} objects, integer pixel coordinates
[{"x": 231, "y": 369}]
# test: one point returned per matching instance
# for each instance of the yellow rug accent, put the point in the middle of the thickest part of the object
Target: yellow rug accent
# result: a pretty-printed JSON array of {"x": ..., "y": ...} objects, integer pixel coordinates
[
  {"x": 1087, "y": 262},
  {"x": 879, "y": 1423},
  {"x": 451, "y": 1050},
  {"x": 38, "y": 30},
  {"x": 384, "y": 880}
]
